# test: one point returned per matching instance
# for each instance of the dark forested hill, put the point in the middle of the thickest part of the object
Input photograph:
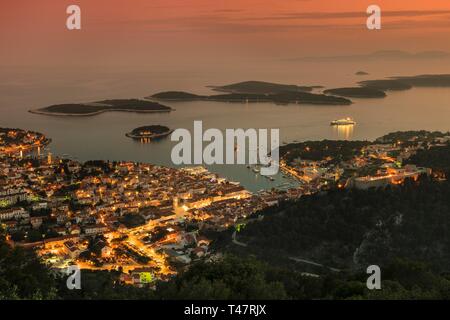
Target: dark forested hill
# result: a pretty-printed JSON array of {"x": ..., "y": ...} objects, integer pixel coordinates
[
  {"x": 437, "y": 158},
  {"x": 351, "y": 229}
]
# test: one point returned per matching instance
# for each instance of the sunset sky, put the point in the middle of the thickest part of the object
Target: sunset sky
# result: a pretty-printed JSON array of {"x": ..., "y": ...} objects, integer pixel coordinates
[{"x": 134, "y": 32}]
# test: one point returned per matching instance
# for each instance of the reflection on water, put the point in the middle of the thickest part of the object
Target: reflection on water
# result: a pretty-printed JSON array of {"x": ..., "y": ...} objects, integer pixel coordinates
[
  {"x": 343, "y": 132},
  {"x": 145, "y": 140}
]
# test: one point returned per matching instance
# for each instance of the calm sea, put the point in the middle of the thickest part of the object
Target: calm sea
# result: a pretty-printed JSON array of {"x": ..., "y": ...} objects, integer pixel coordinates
[{"x": 103, "y": 136}]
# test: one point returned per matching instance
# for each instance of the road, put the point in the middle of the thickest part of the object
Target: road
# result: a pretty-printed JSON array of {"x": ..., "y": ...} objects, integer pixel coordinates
[
  {"x": 233, "y": 238},
  {"x": 313, "y": 263}
]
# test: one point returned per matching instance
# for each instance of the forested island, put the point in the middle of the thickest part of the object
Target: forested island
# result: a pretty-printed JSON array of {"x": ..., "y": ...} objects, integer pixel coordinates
[
  {"x": 279, "y": 98},
  {"x": 261, "y": 87},
  {"x": 426, "y": 80},
  {"x": 385, "y": 85},
  {"x": 94, "y": 108},
  {"x": 357, "y": 92},
  {"x": 253, "y": 91},
  {"x": 259, "y": 91},
  {"x": 378, "y": 88},
  {"x": 408, "y": 82},
  {"x": 152, "y": 131}
]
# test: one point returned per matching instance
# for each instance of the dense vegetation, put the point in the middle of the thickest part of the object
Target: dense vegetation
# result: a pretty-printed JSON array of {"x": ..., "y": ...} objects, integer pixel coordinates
[
  {"x": 261, "y": 87},
  {"x": 351, "y": 229},
  {"x": 437, "y": 158},
  {"x": 426, "y": 80},
  {"x": 279, "y": 97},
  {"x": 105, "y": 105},
  {"x": 248, "y": 278},
  {"x": 413, "y": 135},
  {"x": 230, "y": 278},
  {"x": 22, "y": 276},
  {"x": 319, "y": 150},
  {"x": 357, "y": 92},
  {"x": 177, "y": 95},
  {"x": 385, "y": 85}
]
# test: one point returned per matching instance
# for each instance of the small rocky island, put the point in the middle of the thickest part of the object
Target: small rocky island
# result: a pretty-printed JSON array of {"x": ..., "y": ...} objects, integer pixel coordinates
[
  {"x": 94, "y": 108},
  {"x": 149, "y": 132}
]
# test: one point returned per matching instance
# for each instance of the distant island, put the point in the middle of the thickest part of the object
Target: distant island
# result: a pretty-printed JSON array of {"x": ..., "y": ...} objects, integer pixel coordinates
[
  {"x": 150, "y": 132},
  {"x": 261, "y": 87},
  {"x": 279, "y": 98},
  {"x": 94, "y": 108},
  {"x": 386, "y": 85},
  {"x": 178, "y": 96},
  {"x": 361, "y": 73},
  {"x": 253, "y": 91},
  {"x": 426, "y": 80},
  {"x": 357, "y": 92},
  {"x": 408, "y": 82}
]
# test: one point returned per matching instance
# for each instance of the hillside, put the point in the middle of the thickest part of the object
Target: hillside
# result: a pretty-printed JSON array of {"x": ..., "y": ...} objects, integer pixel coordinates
[{"x": 351, "y": 229}]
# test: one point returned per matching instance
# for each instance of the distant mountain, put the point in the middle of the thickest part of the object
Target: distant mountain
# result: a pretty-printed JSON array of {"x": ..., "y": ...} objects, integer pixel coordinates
[
  {"x": 261, "y": 87},
  {"x": 381, "y": 55}
]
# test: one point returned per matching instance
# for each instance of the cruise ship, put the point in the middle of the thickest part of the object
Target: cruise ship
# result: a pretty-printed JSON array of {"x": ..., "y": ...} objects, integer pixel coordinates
[{"x": 343, "y": 122}]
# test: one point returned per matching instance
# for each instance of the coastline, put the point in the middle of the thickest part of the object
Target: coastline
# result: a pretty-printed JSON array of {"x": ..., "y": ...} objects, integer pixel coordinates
[{"x": 27, "y": 148}]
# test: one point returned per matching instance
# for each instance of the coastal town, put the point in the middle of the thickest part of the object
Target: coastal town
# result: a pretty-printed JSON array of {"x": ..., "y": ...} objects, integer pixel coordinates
[
  {"x": 138, "y": 218},
  {"x": 150, "y": 221},
  {"x": 364, "y": 165}
]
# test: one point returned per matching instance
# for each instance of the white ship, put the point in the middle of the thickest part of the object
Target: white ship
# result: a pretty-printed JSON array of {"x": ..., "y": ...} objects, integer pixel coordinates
[{"x": 343, "y": 122}]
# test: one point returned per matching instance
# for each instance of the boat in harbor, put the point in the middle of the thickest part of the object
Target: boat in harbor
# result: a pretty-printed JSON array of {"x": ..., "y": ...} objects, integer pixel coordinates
[{"x": 343, "y": 122}]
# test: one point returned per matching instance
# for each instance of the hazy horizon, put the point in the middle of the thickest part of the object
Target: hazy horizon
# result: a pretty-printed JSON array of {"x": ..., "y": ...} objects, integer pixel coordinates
[{"x": 173, "y": 34}]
